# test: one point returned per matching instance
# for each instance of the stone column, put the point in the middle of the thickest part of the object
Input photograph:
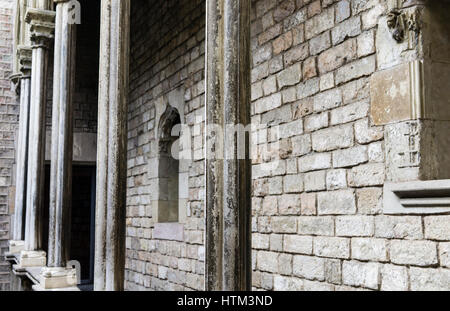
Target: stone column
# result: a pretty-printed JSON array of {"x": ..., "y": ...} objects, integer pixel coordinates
[
  {"x": 24, "y": 55},
  {"x": 57, "y": 275},
  {"x": 112, "y": 146},
  {"x": 41, "y": 23},
  {"x": 228, "y": 170}
]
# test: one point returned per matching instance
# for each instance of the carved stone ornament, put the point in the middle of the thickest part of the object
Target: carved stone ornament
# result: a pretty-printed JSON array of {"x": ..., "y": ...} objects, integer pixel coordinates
[
  {"x": 42, "y": 26},
  {"x": 400, "y": 23}
]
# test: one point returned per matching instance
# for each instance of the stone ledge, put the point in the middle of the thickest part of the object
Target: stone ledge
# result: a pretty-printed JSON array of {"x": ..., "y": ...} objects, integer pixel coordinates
[{"x": 417, "y": 197}]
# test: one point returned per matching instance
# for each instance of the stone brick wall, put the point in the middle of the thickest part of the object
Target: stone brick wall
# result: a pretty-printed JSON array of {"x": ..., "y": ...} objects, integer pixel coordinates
[
  {"x": 318, "y": 218},
  {"x": 167, "y": 52},
  {"x": 9, "y": 111},
  {"x": 318, "y": 221}
]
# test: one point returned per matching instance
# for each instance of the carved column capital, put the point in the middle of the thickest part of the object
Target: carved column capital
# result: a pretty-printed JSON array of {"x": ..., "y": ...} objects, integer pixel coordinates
[
  {"x": 42, "y": 26},
  {"x": 24, "y": 54}
]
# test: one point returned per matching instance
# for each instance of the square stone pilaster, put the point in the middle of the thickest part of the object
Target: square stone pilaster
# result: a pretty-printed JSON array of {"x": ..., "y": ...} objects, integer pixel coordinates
[{"x": 410, "y": 97}]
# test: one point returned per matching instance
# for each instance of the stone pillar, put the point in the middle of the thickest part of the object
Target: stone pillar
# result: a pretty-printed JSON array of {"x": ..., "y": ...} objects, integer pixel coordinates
[
  {"x": 228, "y": 173},
  {"x": 409, "y": 97},
  {"x": 41, "y": 22},
  {"x": 57, "y": 275},
  {"x": 112, "y": 146},
  {"x": 24, "y": 55}
]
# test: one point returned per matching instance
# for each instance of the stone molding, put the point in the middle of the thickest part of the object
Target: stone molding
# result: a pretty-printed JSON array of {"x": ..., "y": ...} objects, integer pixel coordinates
[{"x": 417, "y": 197}]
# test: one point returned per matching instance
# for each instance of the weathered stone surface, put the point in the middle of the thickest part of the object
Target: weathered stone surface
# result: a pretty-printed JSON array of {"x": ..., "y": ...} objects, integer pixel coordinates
[
  {"x": 369, "y": 201},
  {"x": 361, "y": 274},
  {"x": 311, "y": 268},
  {"x": 369, "y": 249},
  {"x": 437, "y": 227},
  {"x": 398, "y": 227},
  {"x": 444, "y": 254},
  {"x": 314, "y": 162},
  {"x": 391, "y": 95},
  {"x": 350, "y": 157},
  {"x": 327, "y": 100},
  {"x": 357, "y": 69},
  {"x": 282, "y": 283},
  {"x": 290, "y": 76},
  {"x": 367, "y": 175},
  {"x": 336, "y": 179},
  {"x": 418, "y": 253},
  {"x": 332, "y": 138},
  {"x": 332, "y": 247},
  {"x": 394, "y": 278},
  {"x": 320, "y": 226},
  {"x": 349, "y": 28},
  {"x": 339, "y": 202},
  {"x": 315, "y": 181},
  {"x": 267, "y": 261},
  {"x": 429, "y": 279},
  {"x": 351, "y": 226},
  {"x": 298, "y": 245}
]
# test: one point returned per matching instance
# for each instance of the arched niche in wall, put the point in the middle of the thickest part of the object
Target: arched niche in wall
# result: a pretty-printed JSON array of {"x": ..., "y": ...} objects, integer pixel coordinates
[{"x": 168, "y": 174}]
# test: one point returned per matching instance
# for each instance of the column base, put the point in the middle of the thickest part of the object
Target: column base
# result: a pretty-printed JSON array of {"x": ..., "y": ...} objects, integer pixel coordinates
[
  {"x": 32, "y": 259},
  {"x": 15, "y": 247},
  {"x": 58, "y": 278}
]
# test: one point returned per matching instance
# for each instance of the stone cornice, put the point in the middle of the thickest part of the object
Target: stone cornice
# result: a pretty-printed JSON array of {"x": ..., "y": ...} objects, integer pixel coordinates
[{"x": 42, "y": 26}]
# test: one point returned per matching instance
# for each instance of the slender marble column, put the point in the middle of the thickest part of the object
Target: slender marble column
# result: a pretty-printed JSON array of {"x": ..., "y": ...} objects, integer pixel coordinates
[
  {"x": 24, "y": 54},
  {"x": 41, "y": 28},
  {"x": 228, "y": 173},
  {"x": 112, "y": 146},
  {"x": 62, "y": 136}
]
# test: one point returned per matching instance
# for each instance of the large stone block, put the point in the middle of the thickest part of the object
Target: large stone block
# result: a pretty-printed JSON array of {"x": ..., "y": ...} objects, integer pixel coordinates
[
  {"x": 298, "y": 244},
  {"x": 308, "y": 267},
  {"x": 437, "y": 227},
  {"x": 429, "y": 279},
  {"x": 361, "y": 274},
  {"x": 321, "y": 226},
  {"x": 354, "y": 226},
  {"x": 418, "y": 253},
  {"x": 339, "y": 202},
  {"x": 368, "y": 249},
  {"x": 394, "y": 278},
  {"x": 332, "y": 247}
]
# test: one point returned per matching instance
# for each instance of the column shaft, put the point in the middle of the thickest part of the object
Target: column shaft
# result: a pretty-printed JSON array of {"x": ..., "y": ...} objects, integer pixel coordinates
[
  {"x": 228, "y": 173},
  {"x": 22, "y": 157},
  {"x": 36, "y": 151},
  {"x": 112, "y": 147},
  {"x": 62, "y": 137},
  {"x": 41, "y": 29}
]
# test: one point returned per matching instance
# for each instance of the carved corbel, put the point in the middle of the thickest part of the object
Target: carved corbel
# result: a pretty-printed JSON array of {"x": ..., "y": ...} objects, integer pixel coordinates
[{"x": 402, "y": 22}]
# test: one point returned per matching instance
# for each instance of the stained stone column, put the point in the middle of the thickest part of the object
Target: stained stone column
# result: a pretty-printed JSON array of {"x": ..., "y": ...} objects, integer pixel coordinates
[
  {"x": 112, "y": 146},
  {"x": 228, "y": 176},
  {"x": 61, "y": 152},
  {"x": 24, "y": 55},
  {"x": 41, "y": 22}
]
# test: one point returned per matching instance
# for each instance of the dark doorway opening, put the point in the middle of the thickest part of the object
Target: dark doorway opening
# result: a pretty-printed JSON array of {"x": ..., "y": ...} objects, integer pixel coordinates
[{"x": 83, "y": 218}]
